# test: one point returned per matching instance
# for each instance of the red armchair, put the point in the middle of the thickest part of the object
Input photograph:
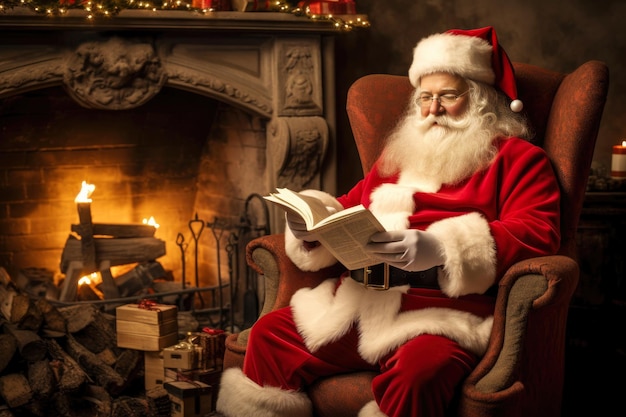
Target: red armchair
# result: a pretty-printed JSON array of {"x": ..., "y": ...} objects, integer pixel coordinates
[{"x": 522, "y": 371}]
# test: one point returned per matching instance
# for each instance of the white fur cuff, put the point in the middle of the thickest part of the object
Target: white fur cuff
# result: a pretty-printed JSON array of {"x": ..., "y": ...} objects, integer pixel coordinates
[
  {"x": 305, "y": 258},
  {"x": 469, "y": 253},
  {"x": 239, "y": 396},
  {"x": 371, "y": 410}
]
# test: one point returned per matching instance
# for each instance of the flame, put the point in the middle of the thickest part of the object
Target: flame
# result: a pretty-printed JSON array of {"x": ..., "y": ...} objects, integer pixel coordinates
[
  {"x": 624, "y": 143},
  {"x": 88, "y": 279},
  {"x": 85, "y": 193},
  {"x": 151, "y": 222},
  {"x": 84, "y": 281}
]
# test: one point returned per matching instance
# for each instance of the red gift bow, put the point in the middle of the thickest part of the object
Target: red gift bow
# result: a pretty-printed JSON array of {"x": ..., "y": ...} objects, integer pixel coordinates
[
  {"x": 212, "y": 331},
  {"x": 147, "y": 305}
]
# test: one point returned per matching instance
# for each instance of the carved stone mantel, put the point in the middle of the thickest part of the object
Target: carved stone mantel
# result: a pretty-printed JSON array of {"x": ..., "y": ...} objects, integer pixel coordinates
[{"x": 277, "y": 66}]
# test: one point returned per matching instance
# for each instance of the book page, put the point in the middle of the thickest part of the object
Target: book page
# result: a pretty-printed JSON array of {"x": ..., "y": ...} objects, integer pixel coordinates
[
  {"x": 350, "y": 211},
  {"x": 311, "y": 209},
  {"x": 346, "y": 239}
]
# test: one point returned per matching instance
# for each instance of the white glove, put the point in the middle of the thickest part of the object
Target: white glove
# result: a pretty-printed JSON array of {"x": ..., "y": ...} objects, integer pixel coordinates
[
  {"x": 410, "y": 250},
  {"x": 297, "y": 226}
]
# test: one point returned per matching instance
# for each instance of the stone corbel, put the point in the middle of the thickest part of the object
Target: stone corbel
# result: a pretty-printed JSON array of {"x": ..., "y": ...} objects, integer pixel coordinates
[{"x": 296, "y": 147}]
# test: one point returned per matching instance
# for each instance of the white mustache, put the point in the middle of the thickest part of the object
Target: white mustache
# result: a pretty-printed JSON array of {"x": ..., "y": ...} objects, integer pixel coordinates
[{"x": 444, "y": 121}]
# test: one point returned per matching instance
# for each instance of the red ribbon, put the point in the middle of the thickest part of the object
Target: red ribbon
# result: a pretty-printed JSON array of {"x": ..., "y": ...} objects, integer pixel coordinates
[
  {"x": 148, "y": 305},
  {"x": 211, "y": 331}
]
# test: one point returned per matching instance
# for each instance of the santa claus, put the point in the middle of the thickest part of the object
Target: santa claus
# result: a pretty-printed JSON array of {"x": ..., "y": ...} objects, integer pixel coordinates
[{"x": 463, "y": 196}]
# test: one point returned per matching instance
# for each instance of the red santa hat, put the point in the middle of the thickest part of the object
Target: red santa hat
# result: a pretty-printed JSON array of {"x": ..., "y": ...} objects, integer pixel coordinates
[{"x": 474, "y": 54}]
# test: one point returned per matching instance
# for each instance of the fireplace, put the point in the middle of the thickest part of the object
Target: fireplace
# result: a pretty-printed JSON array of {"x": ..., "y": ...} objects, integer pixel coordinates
[{"x": 171, "y": 115}]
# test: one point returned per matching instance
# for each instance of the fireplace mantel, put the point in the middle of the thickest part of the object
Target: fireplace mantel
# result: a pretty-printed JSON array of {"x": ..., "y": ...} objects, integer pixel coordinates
[
  {"x": 167, "y": 20},
  {"x": 277, "y": 66}
]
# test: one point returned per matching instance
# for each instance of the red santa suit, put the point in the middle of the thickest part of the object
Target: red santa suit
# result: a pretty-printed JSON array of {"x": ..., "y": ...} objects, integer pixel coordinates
[{"x": 496, "y": 217}]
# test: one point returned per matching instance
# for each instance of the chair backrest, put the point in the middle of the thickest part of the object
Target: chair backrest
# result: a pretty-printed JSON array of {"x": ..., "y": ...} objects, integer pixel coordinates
[{"x": 564, "y": 111}]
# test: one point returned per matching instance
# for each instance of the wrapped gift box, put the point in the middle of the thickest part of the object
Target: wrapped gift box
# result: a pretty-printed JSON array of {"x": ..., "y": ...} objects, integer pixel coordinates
[
  {"x": 213, "y": 343},
  {"x": 208, "y": 376},
  {"x": 251, "y": 5},
  {"x": 189, "y": 398},
  {"x": 146, "y": 343},
  {"x": 154, "y": 371},
  {"x": 146, "y": 326},
  {"x": 216, "y": 5},
  {"x": 329, "y": 7},
  {"x": 161, "y": 329},
  {"x": 147, "y": 312},
  {"x": 182, "y": 356}
]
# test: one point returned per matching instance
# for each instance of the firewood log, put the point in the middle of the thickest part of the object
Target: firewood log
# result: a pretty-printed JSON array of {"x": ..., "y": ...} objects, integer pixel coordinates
[
  {"x": 25, "y": 313},
  {"x": 117, "y": 251},
  {"x": 129, "y": 363},
  {"x": 52, "y": 317},
  {"x": 92, "y": 328},
  {"x": 100, "y": 372},
  {"x": 41, "y": 379},
  {"x": 62, "y": 405},
  {"x": 78, "y": 316},
  {"x": 130, "y": 407},
  {"x": 68, "y": 373},
  {"x": 117, "y": 230},
  {"x": 101, "y": 400},
  {"x": 36, "y": 408},
  {"x": 7, "y": 292},
  {"x": 15, "y": 390},
  {"x": 107, "y": 356},
  {"x": 5, "y": 278},
  {"x": 159, "y": 401},
  {"x": 8, "y": 347},
  {"x": 30, "y": 346}
]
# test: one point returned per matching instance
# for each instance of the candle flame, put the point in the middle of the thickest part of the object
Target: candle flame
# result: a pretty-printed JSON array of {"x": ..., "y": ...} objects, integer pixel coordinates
[
  {"x": 624, "y": 143},
  {"x": 85, "y": 193},
  {"x": 151, "y": 222}
]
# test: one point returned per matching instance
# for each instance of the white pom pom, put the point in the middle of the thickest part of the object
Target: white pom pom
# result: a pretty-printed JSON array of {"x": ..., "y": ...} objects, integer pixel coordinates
[{"x": 517, "y": 105}]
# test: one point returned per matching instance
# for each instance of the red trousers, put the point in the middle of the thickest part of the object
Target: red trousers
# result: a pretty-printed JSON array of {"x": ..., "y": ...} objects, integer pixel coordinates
[{"x": 421, "y": 378}]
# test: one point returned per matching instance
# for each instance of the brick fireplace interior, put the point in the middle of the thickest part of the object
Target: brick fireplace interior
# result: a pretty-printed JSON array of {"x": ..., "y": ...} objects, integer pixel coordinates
[
  {"x": 177, "y": 156},
  {"x": 234, "y": 113}
]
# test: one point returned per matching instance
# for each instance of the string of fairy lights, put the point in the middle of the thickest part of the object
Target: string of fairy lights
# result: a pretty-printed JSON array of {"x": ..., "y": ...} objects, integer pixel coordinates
[{"x": 110, "y": 8}]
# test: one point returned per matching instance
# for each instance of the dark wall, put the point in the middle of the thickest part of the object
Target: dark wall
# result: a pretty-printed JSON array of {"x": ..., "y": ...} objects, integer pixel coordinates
[{"x": 555, "y": 34}]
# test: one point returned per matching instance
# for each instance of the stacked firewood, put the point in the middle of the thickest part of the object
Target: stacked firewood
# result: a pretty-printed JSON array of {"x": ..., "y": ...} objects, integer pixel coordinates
[{"x": 64, "y": 361}]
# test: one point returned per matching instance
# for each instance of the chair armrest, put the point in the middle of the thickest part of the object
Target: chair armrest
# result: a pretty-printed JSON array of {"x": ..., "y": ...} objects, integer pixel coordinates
[
  {"x": 531, "y": 308},
  {"x": 282, "y": 278}
]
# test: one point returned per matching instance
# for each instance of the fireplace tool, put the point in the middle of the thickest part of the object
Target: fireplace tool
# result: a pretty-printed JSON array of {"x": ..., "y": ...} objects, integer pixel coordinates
[
  {"x": 217, "y": 228},
  {"x": 254, "y": 222},
  {"x": 249, "y": 230},
  {"x": 196, "y": 226}
]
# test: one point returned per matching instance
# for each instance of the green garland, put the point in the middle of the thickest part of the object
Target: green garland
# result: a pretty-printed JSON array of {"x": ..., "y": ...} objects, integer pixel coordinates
[{"x": 108, "y": 8}]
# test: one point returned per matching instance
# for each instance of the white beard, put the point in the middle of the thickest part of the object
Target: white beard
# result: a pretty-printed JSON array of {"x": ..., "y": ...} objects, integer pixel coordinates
[{"x": 436, "y": 150}]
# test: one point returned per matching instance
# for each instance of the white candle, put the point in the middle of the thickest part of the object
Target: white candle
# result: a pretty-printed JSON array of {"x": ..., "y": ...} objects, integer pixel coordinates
[{"x": 618, "y": 161}]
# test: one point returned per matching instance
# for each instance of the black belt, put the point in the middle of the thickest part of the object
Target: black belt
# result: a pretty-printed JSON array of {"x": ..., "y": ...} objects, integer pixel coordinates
[{"x": 383, "y": 276}]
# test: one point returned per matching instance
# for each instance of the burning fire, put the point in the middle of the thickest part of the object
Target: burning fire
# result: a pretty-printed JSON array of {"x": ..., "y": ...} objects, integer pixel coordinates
[
  {"x": 151, "y": 222},
  {"x": 87, "y": 279},
  {"x": 88, "y": 287},
  {"x": 85, "y": 193}
]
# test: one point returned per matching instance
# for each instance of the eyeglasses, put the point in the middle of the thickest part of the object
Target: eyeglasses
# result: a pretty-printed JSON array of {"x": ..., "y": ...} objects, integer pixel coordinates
[{"x": 425, "y": 100}]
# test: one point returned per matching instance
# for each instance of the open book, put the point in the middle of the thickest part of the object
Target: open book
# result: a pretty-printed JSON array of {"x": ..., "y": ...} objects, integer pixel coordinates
[{"x": 343, "y": 233}]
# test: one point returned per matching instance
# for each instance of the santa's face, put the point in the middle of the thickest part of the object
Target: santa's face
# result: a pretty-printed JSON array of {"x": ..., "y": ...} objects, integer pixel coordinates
[
  {"x": 443, "y": 139},
  {"x": 444, "y": 84}
]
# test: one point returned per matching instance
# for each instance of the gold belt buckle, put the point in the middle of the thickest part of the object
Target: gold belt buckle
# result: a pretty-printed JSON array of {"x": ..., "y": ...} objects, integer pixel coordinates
[{"x": 367, "y": 271}]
